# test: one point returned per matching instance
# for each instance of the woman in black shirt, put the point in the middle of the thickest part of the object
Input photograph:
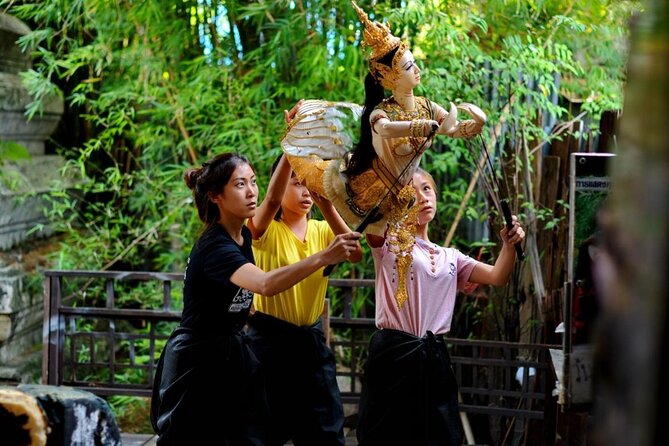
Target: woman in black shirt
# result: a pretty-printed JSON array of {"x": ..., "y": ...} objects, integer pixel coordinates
[{"x": 207, "y": 388}]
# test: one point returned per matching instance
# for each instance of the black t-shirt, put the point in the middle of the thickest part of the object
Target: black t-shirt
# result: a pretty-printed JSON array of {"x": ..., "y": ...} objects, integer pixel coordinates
[{"x": 211, "y": 302}]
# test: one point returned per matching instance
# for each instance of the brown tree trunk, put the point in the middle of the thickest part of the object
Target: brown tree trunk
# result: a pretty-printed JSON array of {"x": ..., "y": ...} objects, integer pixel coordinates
[{"x": 632, "y": 373}]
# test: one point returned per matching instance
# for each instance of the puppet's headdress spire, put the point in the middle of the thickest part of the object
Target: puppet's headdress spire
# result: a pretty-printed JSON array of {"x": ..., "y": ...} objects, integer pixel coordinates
[{"x": 378, "y": 37}]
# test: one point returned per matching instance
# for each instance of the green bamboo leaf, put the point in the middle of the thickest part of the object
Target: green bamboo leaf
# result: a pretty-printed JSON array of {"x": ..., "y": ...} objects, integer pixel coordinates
[{"x": 13, "y": 151}]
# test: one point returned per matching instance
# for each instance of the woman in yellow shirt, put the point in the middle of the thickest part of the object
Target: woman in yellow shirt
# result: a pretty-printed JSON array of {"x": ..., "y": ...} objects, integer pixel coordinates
[{"x": 285, "y": 330}]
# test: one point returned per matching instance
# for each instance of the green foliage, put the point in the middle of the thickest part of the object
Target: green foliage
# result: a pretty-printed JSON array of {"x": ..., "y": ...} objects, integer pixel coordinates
[
  {"x": 158, "y": 86},
  {"x": 12, "y": 151},
  {"x": 10, "y": 178},
  {"x": 165, "y": 85},
  {"x": 588, "y": 204},
  {"x": 132, "y": 413},
  {"x": 550, "y": 218}
]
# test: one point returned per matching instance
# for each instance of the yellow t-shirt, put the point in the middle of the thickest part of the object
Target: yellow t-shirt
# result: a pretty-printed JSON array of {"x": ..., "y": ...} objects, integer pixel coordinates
[{"x": 279, "y": 246}]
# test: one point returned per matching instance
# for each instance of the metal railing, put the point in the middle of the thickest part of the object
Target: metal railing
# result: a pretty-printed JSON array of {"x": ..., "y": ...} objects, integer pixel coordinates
[
  {"x": 88, "y": 345},
  {"x": 110, "y": 350}
]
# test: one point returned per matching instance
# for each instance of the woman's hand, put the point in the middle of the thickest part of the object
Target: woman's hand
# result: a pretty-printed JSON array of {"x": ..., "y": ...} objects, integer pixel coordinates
[
  {"x": 337, "y": 224},
  {"x": 289, "y": 115},
  {"x": 342, "y": 247},
  {"x": 499, "y": 273},
  {"x": 514, "y": 235}
]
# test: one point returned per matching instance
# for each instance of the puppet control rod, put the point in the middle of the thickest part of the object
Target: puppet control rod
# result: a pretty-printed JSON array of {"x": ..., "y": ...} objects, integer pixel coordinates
[{"x": 504, "y": 203}]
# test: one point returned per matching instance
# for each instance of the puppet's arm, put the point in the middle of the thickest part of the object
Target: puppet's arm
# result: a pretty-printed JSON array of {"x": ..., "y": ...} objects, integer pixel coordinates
[
  {"x": 399, "y": 129},
  {"x": 450, "y": 126}
]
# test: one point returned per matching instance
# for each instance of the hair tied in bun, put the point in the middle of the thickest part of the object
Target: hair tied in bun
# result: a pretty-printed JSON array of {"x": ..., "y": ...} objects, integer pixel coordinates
[{"x": 191, "y": 176}]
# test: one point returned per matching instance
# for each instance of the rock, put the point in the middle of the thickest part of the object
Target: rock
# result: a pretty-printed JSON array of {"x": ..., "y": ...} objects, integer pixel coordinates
[{"x": 74, "y": 417}]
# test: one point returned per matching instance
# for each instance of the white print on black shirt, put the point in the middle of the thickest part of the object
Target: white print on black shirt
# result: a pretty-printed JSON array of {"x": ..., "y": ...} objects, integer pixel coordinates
[
  {"x": 186, "y": 270},
  {"x": 241, "y": 301}
]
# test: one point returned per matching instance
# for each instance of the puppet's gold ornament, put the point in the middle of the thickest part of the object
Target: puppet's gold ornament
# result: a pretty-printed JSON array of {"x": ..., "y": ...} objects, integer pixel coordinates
[{"x": 318, "y": 144}]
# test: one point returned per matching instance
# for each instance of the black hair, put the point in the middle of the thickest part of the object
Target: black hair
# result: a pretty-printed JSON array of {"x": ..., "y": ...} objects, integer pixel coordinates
[
  {"x": 364, "y": 153},
  {"x": 209, "y": 179}
]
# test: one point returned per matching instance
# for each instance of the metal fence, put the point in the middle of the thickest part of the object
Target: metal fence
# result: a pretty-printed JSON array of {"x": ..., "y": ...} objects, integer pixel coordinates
[{"x": 91, "y": 341}]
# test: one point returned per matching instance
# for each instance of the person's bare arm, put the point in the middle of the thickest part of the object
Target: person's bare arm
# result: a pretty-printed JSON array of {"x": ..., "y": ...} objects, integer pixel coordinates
[
  {"x": 273, "y": 282},
  {"x": 277, "y": 187},
  {"x": 336, "y": 223},
  {"x": 498, "y": 274},
  {"x": 267, "y": 209}
]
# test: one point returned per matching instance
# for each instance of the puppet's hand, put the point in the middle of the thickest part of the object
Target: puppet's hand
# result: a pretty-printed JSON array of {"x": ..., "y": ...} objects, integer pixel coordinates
[
  {"x": 476, "y": 113},
  {"x": 470, "y": 127},
  {"x": 422, "y": 127},
  {"x": 450, "y": 124}
]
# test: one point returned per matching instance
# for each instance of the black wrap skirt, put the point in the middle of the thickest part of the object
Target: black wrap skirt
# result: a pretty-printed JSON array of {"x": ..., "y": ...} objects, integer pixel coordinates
[
  {"x": 301, "y": 382},
  {"x": 208, "y": 389},
  {"x": 409, "y": 392}
]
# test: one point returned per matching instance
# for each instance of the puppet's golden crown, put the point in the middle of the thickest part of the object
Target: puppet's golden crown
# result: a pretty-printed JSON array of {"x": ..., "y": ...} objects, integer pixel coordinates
[{"x": 378, "y": 37}]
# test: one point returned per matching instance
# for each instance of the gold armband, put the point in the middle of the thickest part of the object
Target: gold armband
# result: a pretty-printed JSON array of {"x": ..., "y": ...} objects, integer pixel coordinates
[{"x": 416, "y": 128}]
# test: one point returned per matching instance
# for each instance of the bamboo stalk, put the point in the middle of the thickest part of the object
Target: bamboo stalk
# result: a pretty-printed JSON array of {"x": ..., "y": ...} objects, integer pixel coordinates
[{"x": 531, "y": 241}]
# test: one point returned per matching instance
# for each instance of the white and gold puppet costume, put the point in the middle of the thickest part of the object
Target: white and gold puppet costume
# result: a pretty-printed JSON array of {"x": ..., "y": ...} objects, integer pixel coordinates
[{"x": 317, "y": 146}]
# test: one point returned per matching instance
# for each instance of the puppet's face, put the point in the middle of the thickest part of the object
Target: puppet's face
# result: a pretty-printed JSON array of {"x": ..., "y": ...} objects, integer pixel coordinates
[{"x": 408, "y": 72}]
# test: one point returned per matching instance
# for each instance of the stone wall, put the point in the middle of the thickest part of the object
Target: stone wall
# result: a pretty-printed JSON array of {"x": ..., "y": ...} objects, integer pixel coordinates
[
  {"x": 24, "y": 184},
  {"x": 21, "y": 314}
]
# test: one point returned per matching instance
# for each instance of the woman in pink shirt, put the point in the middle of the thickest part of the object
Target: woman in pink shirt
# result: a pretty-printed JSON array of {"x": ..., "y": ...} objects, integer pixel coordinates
[{"x": 409, "y": 394}]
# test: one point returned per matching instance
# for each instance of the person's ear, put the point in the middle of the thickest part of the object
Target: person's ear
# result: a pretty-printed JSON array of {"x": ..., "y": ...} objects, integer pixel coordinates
[{"x": 215, "y": 198}]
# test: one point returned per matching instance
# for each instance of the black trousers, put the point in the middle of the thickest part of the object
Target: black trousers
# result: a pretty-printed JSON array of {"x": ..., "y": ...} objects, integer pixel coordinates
[
  {"x": 208, "y": 390},
  {"x": 304, "y": 400},
  {"x": 409, "y": 392}
]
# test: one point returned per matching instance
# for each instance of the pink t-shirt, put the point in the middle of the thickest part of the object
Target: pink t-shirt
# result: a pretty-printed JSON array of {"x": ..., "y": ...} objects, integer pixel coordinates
[{"x": 431, "y": 296}]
